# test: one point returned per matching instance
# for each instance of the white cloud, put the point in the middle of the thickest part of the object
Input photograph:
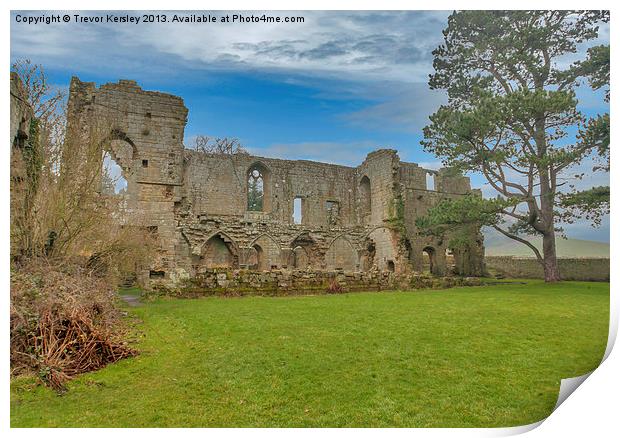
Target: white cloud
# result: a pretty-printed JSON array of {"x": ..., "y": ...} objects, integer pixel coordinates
[
  {"x": 406, "y": 109},
  {"x": 346, "y": 45}
]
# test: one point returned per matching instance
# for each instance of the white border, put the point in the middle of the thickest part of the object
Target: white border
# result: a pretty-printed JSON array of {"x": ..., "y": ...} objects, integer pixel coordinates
[{"x": 591, "y": 410}]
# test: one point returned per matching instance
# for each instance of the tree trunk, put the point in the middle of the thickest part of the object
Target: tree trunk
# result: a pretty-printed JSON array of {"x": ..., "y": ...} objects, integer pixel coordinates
[{"x": 550, "y": 261}]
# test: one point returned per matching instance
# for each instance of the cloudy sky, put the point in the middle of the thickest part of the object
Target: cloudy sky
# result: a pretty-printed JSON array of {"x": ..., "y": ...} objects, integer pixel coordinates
[{"x": 332, "y": 88}]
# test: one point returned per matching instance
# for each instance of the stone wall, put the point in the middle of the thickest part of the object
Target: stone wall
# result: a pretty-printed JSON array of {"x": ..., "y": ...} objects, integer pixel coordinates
[
  {"x": 237, "y": 210},
  {"x": 214, "y": 282},
  {"x": 579, "y": 269},
  {"x": 20, "y": 132}
]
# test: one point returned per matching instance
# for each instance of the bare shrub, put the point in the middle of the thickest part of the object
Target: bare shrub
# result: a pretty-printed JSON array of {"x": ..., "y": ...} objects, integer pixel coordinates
[
  {"x": 212, "y": 145},
  {"x": 71, "y": 245},
  {"x": 63, "y": 322},
  {"x": 67, "y": 214}
]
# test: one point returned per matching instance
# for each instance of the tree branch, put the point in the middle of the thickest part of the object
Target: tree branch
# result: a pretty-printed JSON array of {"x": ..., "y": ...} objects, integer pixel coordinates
[{"x": 523, "y": 241}]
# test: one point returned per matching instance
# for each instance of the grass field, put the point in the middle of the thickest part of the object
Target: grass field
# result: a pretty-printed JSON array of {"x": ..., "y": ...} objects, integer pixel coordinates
[{"x": 463, "y": 357}]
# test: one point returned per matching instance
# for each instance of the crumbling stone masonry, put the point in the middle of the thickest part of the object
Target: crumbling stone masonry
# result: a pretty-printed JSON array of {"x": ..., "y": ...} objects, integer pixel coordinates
[
  {"x": 245, "y": 212},
  {"x": 572, "y": 269},
  {"x": 21, "y": 125}
]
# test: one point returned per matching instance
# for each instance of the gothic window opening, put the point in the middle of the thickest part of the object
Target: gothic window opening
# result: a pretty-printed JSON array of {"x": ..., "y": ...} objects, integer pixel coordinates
[
  {"x": 112, "y": 180},
  {"x": 365, "y": 198},
  {"x": 256, "y": 190}
]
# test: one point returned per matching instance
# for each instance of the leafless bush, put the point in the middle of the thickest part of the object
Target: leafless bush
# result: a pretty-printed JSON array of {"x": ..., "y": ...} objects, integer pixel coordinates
[
  {"x": 44, "y": 99},
  {"x": 67, "y": 215},
  {"x": 63, "y": 322},
  {"x": 211, "y": 145},
  {"x": 71, "y": 245}
]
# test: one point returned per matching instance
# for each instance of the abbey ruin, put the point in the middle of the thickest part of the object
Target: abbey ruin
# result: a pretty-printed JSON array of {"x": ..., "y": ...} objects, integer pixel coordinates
[{"x": 239, "y": 211}]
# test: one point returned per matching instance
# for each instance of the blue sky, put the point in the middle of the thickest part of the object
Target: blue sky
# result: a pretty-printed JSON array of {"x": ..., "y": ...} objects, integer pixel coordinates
[{"x": 331, "y": 89}]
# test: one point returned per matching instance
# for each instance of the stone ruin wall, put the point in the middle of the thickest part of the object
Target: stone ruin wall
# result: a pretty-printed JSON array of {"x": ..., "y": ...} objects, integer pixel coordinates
[
  {"x": 354, "y": 219},
  {"x": 21, "y": 118},
  {"x": 572, "y": 269}
]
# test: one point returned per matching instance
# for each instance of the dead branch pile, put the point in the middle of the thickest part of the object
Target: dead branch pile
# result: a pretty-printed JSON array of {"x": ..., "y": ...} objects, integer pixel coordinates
[{"x": 63, "y": 322}]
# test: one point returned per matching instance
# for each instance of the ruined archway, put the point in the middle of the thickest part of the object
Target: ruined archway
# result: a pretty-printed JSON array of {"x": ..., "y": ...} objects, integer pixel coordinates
[
  {"x": 113, "y": 181},
  {"x": 299, "y": 258},
  {"x": 429, "y": 260},
  {"x": 311, "y": 254},
  {"x": 341, "y": 255},
  {"x": 118, "y": 137},
  {"x": 117, "y": 164},
  {"x": 219, "y": 251},
  {"x": 268, "y": 252}
]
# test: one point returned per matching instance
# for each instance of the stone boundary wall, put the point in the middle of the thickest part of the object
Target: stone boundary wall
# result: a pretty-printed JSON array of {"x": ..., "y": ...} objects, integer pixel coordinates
[
  {"x": 580, "y": 269},
  {"x": 302, "y": 282}
]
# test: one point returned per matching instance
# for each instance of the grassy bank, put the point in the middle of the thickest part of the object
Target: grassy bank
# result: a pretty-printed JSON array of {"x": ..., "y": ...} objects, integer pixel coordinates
[{"x": 463, "y": 357}]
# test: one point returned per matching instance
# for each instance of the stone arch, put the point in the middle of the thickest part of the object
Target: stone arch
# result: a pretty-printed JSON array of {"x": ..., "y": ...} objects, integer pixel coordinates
[
  {"x": 258, "y": 187},
  {"x": 119, "y": 153},
  {"x": 219, "y": 251},
  {"x": 122, "y": 147},
  {"x": 113, "y": 180},
  {"x": 299, "y": 258},
  {"x": 365, "y": 199},
  {"x": 429, "y": 257},
  {"x": 308, "y": 243},
  {"x": 341, "y": 254},
  {"x": 117, "y": 134},
  {"x": 268, "y": 253}
]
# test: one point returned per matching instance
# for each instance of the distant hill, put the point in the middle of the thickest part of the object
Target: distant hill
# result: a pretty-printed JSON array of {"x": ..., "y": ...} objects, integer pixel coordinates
[{"x": 498, "y": 245}]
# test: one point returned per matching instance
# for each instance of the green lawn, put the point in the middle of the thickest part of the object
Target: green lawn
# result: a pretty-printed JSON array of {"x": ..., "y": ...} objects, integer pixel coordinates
[{"x": 470, "y": 357}]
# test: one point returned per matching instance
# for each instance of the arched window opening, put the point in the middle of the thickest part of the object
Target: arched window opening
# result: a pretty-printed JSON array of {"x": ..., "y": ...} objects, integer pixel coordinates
[
  {"x": 365, "y": 197},
  {"x": 112, "y": 180},
  {"x": 259, "y": 188},
  {"x": 430, "y": 181},
  {"x": 428, "y": 259},
  {"x": 256, "y": 190}
]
